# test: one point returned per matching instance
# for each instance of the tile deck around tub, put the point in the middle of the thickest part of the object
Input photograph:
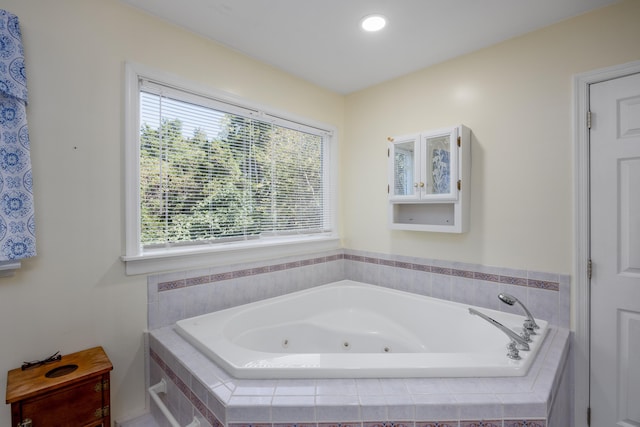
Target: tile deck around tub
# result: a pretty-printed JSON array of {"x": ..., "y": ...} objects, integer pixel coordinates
[{"x": 206, "y": 391}]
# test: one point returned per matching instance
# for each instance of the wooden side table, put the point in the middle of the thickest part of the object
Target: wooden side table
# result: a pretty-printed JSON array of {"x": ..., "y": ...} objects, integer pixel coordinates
[{"x": 72, "y": 392}]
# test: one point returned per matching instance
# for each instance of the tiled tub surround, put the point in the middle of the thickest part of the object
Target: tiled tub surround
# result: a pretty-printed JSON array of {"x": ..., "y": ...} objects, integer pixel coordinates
[
  {"x": 176, "y": 296},
  {"x": 198, "y": 386}
]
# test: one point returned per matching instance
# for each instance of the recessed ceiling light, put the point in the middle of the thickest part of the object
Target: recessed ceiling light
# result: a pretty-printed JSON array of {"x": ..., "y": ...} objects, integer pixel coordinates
[{"x": 373, "y": 23}]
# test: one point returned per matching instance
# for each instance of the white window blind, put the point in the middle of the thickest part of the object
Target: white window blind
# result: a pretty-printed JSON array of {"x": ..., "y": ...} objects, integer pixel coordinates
[{"x": 211, "y": 171}]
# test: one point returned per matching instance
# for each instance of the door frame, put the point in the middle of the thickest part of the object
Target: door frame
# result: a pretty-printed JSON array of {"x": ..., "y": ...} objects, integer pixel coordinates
[{"x": 582, "y": 236}]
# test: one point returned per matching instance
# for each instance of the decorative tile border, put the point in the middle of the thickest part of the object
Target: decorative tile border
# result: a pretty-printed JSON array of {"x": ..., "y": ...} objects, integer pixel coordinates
[
  {"x": 236, "y": 274},
  {"x": 388, "y": 424},
  {"x": 437, "y": 424},
  {"x": 520, "y": 281},
  {"x": 296, "y": 425},
  {"x": 477, "y": 275},
  {"x": 381, "y": 424},
  {"x": 492, "y": 423},
  {"x": 525, "y": 423}
]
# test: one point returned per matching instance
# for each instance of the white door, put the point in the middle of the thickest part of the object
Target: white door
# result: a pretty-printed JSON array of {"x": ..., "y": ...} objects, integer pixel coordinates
[{"x": 615, "y": 252}]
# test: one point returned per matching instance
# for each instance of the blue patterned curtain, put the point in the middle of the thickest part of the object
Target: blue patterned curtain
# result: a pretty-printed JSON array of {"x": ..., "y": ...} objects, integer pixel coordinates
[{"x": 17, "y": 228}]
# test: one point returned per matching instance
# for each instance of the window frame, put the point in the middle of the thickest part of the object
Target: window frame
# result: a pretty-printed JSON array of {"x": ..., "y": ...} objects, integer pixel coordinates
[{"x": 139, "y": 260}]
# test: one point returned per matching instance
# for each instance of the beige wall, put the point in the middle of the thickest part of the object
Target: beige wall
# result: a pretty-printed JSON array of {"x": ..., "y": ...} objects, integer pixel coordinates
[
  {"x": 75, "y": 294},
  {"x": 517, "y": 99}
]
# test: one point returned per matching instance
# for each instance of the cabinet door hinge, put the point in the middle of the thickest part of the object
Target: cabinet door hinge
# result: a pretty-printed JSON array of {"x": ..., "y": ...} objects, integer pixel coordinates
[
  {"x": 100, "y": 386},
  {"x": 388, "y": 188},
  {"x": 459, "y": 185},
  {"x": 388, "y": 152},
  {"x": 102, "y": 412},
  {"x": 589, "y": 416},
  {"x": 458, "y": 141},
  {"x": 589, "y": 119},
  {"x": 589, "y": 268}
]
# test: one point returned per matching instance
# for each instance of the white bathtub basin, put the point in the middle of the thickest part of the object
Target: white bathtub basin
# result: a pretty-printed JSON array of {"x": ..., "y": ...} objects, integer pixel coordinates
[{"x": 349, "y": 329}]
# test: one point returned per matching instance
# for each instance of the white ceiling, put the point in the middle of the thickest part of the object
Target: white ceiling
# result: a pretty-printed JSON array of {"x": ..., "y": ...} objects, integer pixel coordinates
[{"x": 320, "y": 40}]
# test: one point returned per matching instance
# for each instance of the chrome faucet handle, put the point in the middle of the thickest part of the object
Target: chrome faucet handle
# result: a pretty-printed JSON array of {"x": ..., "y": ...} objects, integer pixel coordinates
[
  {"x": 513, "y": 352},
  {"x": 526, "y": 335},
  {"x": 531, "y": 326}
]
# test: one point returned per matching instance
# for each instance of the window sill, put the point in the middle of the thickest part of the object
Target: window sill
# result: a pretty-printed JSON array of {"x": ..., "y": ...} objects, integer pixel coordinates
[{"x": 156, "y": 261}]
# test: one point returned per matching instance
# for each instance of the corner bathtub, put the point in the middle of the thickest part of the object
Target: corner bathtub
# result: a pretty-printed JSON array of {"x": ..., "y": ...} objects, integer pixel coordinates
[{"x": 349, "y": 329}]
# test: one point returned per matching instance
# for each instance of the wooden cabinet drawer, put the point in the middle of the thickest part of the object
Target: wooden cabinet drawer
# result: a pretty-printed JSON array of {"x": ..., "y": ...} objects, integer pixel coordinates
[{"x": 72, "y": 406}]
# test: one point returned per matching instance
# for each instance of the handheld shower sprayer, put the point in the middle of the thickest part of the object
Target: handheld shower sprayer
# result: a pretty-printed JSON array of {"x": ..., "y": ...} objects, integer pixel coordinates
[{"x": 530, "y": 324}]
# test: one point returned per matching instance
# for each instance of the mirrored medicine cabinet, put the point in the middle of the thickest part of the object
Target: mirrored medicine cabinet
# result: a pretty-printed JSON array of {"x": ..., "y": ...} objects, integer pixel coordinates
[{"x": 429, "y": 185}]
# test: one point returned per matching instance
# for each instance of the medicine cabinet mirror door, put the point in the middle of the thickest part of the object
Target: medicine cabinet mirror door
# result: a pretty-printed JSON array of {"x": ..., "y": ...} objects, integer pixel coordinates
[
  {"x": 404, "y": 168},
  {"x": 440, "y": 165},
  {"x": 424, "y": 167}
]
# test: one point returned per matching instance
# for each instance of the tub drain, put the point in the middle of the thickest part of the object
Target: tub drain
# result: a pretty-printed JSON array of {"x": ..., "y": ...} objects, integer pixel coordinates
[
  {"x": 285, "y": 343},
  {"x": 386, "y": 349},
  {"x": 346, "y": 345}
]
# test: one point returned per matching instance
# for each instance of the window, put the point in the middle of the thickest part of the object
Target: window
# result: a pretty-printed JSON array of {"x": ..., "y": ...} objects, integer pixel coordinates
[{"x": 211, "y": 174}]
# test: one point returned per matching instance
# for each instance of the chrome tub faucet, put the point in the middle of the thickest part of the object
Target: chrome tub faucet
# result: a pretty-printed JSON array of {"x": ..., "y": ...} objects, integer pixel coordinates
[{"x": 517, "y": 342}]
